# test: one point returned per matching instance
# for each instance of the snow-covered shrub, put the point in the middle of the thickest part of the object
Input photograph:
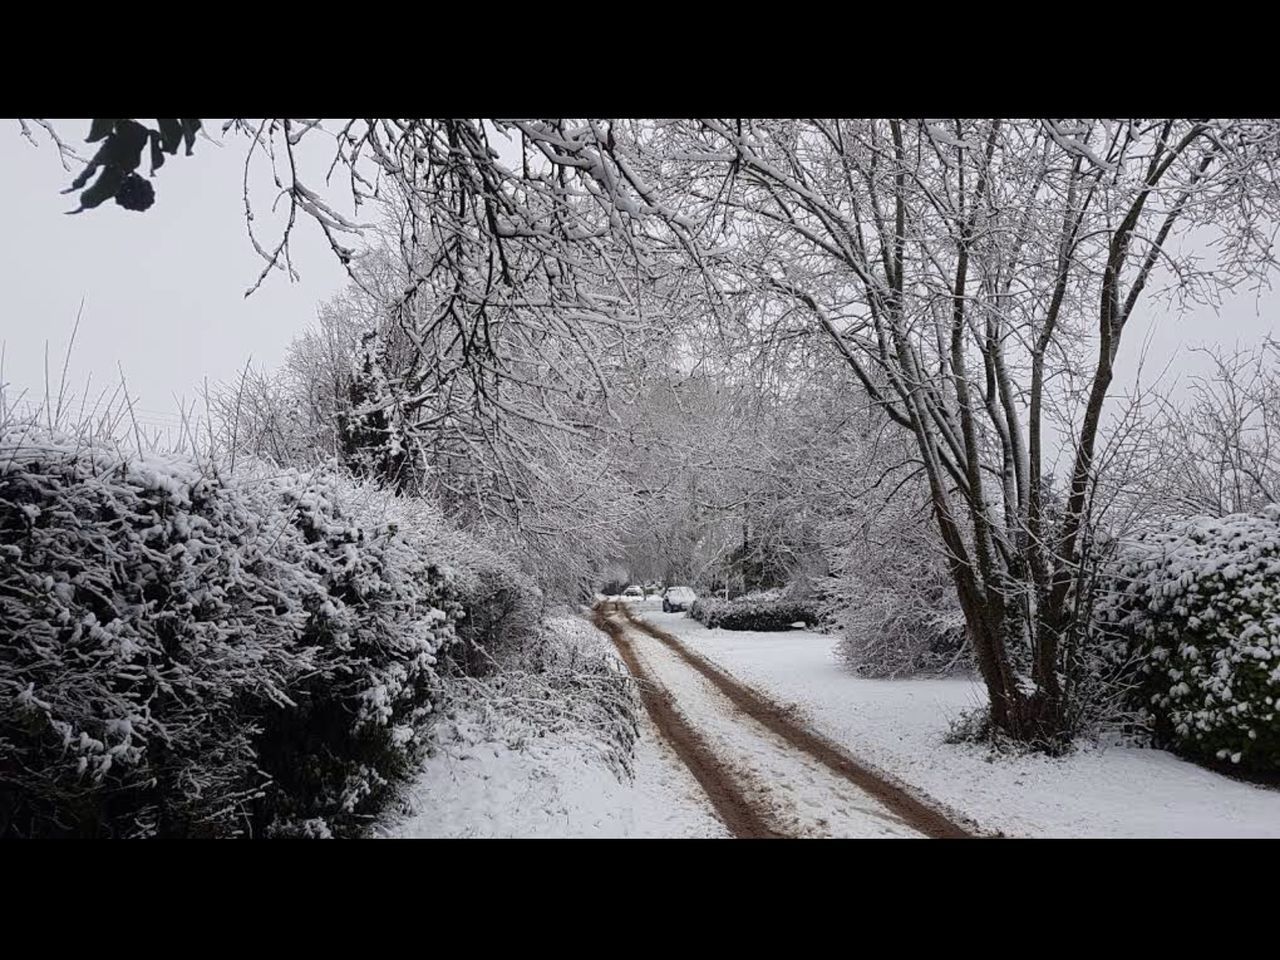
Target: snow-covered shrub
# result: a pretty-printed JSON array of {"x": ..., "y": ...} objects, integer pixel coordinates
[
  {"x": 1197, "y": 603},
  {"x": 372, "y": 430},
  {"x": 776, "y": 611},
  {"x": 886, "y": 632},
  {"x": 889, "y": 595},
  {"x": 562, "y": 682},
  {"x": 501, "y": 605},
  {"x": 388, "y": 609},
  {"x": 707, "y": 610},
  {"x": 184, "y": 653}
]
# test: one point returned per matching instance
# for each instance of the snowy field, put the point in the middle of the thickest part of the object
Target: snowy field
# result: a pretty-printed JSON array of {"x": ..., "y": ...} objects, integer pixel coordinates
[
  {"x": 553, "y": 788},
  {"x": 899, "y": 725}
]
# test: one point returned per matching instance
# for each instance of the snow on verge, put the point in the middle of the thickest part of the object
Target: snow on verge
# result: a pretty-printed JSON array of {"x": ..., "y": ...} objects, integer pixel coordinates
[
  {"x": 499, "y": 769},
  {"x": 899, "y": 725}
]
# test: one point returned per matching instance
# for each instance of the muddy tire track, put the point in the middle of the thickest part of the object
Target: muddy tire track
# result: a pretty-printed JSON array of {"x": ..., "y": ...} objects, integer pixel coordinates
[
  {"x": 739, "y": 815},
  {"x": 914, "y": 812}
]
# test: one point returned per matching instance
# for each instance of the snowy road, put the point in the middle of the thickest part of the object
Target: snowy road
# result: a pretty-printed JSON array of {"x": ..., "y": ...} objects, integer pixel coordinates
[
  {"x": 1103, "y": 789},
  {"x": 766, "y": 775}
]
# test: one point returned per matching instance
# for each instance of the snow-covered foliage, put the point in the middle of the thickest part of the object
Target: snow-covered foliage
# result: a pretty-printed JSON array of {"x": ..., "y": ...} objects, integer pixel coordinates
[
  {"x": 892, "y": 633},
  {"x": 771, "y": 610},
  {"x": 502, "y": 606},
  {"x": 988, "y": 324},
  {"x": 1220, "y": 449},
  {"x": 191, "y": 653},
  {"x": 889, "y": 596},
  {"x": 561, "y": 683},
  {"x": 523, "y": 462},
  {"x": 372, "y": 433},
  {"x": 1199, "y": 602}
]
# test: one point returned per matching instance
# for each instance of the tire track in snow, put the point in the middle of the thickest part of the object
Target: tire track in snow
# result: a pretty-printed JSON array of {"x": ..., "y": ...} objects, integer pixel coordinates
[
  {"x": 797, "y": 795},
  {"x": 898, "y": 803},
  {"x": 739, "y": 815}
]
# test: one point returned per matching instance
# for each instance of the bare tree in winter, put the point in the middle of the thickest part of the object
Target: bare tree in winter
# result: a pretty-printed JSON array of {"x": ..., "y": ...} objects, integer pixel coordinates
[
  {"x": 977, "y": 278},
  {"x": 514, "y": 257},
  {"x": 1222, "y": 449}
]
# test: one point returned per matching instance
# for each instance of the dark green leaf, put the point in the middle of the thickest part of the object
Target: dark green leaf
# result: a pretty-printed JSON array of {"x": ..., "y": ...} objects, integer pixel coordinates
[
  {"x": 104, "y": 188},
  {"x": 83, "y": 178},
  {"x": 99, "y": 129},
  {"x": 189, "y": 128},
  {"x": 88, "y": 171},
  {"x": 123, "y": 148},
  {"x": 170, "y": 135},
  {"x": 157, "y": 154}
]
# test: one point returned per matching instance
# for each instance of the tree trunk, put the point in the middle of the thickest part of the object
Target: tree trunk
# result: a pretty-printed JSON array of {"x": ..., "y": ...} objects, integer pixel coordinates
[{"x": 991, "y": 626}]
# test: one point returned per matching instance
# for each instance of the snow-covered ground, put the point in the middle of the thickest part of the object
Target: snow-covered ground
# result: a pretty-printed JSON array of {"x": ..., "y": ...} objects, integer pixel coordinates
[
  {"x": 490, "y": 790},
  {"x": 899, "y": 725},
  {"x": 551, "y": 786},
  {"x": 798, "y": 795}
]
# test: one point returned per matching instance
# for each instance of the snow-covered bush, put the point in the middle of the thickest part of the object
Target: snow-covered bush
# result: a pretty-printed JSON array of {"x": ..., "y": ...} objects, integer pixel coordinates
[
  {"x": 372, "y": 431},
  {"x": 561, "y": 682},
  {"x": 389, "y": 608},
  {"x": 893, "y": 633},
  {"x": 889, "y": 595},
  {"x": 185, "y": 653},
  {"x": 501, "y": 605},
  {"x": 765, "y": 612},
  {"x": 1197, "y": 603}
]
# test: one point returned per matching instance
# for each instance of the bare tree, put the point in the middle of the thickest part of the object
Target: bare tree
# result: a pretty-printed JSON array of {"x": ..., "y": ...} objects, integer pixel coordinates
[
  {"x": 1221, "y": 449},
  {"x": 977, "y": 278},
  {"x": 514, "y": 257}
]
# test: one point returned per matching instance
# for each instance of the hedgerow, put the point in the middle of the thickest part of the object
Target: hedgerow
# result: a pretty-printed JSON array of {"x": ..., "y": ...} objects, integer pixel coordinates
[
  {"x": 187, "y": 653},
  {"x": 761, "y": 612},
  {"x": 1196, "y": 605}
]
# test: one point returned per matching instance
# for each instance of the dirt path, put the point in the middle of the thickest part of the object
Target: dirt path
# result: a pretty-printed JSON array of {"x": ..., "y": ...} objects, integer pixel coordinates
[
  {"x": 743, "y": 820},
  {"x": 772, "y": 774}
]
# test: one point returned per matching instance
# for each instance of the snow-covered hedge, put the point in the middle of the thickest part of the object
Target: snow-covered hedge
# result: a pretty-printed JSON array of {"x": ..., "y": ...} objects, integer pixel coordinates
[
  {"x": 1198, "y": 605},
  {"x": 762, "y": 612},
  {"x": 502, "y": 606},
  {"x": 183, "y": 653},
  {"x": 889, "y": 594}
]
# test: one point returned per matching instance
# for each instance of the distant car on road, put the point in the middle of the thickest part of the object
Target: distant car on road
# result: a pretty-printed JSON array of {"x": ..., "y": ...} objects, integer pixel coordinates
[
  {"x": 633, "y": 592},
  {"x": 678, "y": 598}
]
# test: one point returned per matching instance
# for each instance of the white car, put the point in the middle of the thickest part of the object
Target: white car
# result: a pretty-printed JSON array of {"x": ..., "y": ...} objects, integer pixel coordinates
[
  {"x": 633, "y": 593},
  {"x": 678, "y": 598}
]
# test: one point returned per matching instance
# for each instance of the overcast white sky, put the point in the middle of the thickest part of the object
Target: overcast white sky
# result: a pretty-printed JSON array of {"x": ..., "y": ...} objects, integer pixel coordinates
[{"x": 163, "y": 290}]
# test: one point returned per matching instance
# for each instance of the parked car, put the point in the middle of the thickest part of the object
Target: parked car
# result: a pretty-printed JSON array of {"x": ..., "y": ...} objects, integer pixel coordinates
[
  {"x": 633, "y": 592},
  {"x": 678, "y": 598}
]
